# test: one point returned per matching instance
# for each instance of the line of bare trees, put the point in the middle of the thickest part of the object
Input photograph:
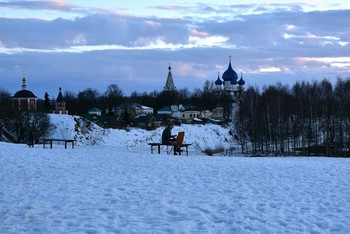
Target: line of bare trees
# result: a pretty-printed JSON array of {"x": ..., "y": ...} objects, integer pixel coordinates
[{"x": 311, "y": 118}]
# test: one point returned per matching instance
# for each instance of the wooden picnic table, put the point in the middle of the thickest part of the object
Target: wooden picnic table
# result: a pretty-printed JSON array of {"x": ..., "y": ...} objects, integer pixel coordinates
[
  {"x": 66, "y": 141},
  {"x": 177, "y": 145}
]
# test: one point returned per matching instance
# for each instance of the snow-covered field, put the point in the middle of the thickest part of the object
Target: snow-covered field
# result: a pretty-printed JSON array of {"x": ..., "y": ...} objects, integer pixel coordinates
[{"x": 110, "y": 183}]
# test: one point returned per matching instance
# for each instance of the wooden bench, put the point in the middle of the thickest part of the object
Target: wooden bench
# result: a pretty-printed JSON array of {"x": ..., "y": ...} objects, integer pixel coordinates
[
  {"x": 174, "y": 147},
  {"x": 178, "y": 144},
  {"x": 66, "y": 141}
]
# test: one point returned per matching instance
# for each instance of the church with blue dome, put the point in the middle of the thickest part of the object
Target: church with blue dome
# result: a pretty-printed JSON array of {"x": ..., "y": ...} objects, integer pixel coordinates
[
  {"x": 229, "y": 90},
  {"x": 229, "y": 80}
]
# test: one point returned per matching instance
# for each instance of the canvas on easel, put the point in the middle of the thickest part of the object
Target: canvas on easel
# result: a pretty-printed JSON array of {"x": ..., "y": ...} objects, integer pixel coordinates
[{"x": 180, "y": 138}]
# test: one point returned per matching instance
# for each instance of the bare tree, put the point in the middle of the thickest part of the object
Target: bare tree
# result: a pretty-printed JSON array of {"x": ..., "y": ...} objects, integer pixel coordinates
[
  {"x": 114, "y": 96},
  {"x": 87, "y": 99}
]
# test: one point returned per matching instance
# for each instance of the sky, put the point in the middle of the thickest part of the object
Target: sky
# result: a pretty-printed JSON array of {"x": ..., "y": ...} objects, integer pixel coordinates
[
  {"x": 92, "y": 44},
  {"x": 117, "y": 186}
]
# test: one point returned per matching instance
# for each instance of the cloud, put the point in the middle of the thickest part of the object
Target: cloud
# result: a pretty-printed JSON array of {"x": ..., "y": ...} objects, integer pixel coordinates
[
  {"x": 338, "y": 62},
  {"x": 93, "y": 30},
  {"x": 56, "y": 9},
  {"x": 196, "y": 33},
  {"x": 103, "y": 32},
  {"x": 209, "y": 41},
  {"x": 153, "y": 24},
  {"x": 78, "y": 39},
  {"x": 134, "y": 52},
  {"x": 171, "y": 7},
  {"x": 41, "y": 5},
  {"x": 270, "y": 69},
  {"x": 189, "y": 70}
]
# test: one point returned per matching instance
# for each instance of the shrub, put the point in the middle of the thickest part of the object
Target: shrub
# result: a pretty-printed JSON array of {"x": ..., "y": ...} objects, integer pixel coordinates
[{"x": 211, "y": 152}]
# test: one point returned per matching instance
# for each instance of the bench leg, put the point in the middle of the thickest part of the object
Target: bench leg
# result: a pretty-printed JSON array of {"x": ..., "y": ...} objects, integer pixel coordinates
[{"x": 158, "y": 149}]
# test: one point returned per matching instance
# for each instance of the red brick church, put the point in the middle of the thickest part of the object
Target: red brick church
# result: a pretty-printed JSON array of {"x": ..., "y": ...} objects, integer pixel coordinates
[
  {"x": 60, "y": 107},
  {"x": 24, "y": 100}
]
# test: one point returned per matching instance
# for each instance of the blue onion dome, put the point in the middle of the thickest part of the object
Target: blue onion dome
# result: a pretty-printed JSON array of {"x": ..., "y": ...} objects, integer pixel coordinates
[
  {"x": 218, "y": 81},
  {"x": 241, "y": 81},
  {"x": 234, "y": 82},
  {"x": 230, "y": 74}
]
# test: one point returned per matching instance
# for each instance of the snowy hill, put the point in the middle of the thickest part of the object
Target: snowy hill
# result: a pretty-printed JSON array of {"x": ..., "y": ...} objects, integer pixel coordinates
[
  {"x": 208, "y": 136},
  {"x": 111, "y": 183},
  {"x": 78, "y": 128}
]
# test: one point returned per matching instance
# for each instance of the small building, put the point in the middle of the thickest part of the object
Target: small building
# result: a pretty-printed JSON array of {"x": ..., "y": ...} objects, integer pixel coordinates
[
  {"x": 166, "y": 110},
  {"x": 190, "y": 112},
  {"x": 206, "y": 114},
  {"x": 218, "y": 113},
  {"x": 24, "y": 100},
  {"x": 141, "y": 109},
  {"x": 148, "y": 121},
  {"x": 172, "y": 111},
  {"x": 60, "y": 107},
  {"x": 181, "y": 112},
  {"x": 95, "y": 111}
]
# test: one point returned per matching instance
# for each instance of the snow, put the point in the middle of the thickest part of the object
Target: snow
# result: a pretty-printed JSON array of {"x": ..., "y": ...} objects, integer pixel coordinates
[
  {"x": 201, "y": 136},
  {"x": 110, "y": 183}
]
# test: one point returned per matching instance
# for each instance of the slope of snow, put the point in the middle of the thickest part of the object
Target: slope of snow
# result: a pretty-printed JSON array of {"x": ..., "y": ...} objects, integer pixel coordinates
[
  {"x": 200, "y": 136},
  {"x": 76, "y": 127},
  {"x": 116, "y": 186}
]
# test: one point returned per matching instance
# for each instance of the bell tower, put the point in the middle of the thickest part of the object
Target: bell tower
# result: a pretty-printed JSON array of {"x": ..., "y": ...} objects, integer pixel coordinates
[{"x": 170, "y": 94}]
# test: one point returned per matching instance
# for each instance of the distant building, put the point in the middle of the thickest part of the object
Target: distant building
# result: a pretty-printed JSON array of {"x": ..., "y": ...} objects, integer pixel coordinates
[
  {"x": 169, "y": 85},
  {"x": 230, "y": 89},
  {"x": 190, "y": 112},
  {"x": 148, "y": 121},
  {"x": 218, "y": 113},
  {"x": 141, "y": 109},
  {"x": 181, "y": 112},
  {"x": 95, "y": 111},
  {"x": 169, "y": 94},
  {"x": 24, "y": 100},
  {"x": 166, "y": 110},
  {"x": 60, "y": 107},
  {"x": 206, "y": 114}
]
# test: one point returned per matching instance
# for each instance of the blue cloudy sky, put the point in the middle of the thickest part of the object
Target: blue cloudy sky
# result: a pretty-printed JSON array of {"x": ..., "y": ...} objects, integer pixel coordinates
[{"x": 91, "y": 44}]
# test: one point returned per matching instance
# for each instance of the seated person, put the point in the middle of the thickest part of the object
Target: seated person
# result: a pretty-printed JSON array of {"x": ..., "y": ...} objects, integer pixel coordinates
[{"x": 167, "y": 138}]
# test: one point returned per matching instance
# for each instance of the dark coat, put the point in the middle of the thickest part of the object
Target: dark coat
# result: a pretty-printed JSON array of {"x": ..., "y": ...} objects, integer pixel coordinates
[{"x": 166, "y": 135}]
